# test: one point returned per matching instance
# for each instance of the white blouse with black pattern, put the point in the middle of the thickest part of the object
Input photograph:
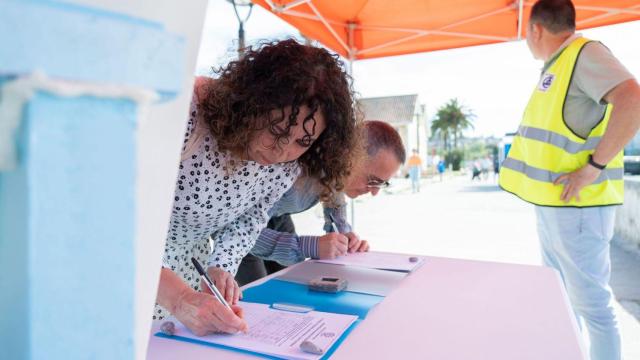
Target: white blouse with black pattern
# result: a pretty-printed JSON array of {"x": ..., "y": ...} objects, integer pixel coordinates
[{"x": 223, "y": 198}]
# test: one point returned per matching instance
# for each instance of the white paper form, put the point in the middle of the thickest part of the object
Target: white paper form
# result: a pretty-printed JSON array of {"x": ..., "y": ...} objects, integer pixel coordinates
[
  {"x": 359, "y": 279},
  {"x": 378, "y": 260},
  {"x": 279, "y": 333}
]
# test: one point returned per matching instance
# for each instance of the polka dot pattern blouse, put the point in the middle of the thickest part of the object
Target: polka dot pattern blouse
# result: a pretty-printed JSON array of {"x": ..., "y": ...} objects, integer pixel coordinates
[{"x": 226, "y": 200}]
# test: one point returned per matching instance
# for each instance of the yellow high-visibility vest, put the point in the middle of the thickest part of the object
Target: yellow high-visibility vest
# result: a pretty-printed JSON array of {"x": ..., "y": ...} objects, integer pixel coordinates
[{"x": 545, "y": 147}]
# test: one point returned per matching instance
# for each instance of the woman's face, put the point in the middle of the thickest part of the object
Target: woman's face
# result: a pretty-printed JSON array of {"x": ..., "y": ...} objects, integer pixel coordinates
[{"x": 265, "y": 150}]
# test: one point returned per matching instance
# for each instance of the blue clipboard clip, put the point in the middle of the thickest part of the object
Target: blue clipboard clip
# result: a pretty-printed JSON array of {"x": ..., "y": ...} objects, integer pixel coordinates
[{"x": 292, "y": 307}]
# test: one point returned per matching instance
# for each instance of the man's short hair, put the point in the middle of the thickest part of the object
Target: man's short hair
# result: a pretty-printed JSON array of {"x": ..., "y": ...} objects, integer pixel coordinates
[
  {"x": 380, "y": 135},
  {"x": 554, "y": 15}
]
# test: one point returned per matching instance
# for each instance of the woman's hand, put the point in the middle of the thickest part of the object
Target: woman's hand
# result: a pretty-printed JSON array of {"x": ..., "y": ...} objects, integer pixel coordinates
[
  {"x": 203, "y": 314},
  {"x": 225, "y": 283}
]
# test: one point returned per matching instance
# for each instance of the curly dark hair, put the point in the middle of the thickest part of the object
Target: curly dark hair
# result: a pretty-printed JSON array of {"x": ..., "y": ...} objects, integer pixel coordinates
[{"x": 252, "y": 93}]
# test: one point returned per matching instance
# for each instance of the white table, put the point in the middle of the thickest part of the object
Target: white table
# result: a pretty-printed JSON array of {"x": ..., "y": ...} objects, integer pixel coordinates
[{"x": 449, "y": 309}]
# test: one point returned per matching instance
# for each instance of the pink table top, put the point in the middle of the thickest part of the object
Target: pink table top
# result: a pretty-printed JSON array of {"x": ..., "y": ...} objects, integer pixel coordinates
[{"x": 449, "y": 309}]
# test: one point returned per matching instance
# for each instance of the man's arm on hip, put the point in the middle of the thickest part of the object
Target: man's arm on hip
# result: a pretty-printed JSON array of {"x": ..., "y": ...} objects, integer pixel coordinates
[{"x": 624, "y": 122}]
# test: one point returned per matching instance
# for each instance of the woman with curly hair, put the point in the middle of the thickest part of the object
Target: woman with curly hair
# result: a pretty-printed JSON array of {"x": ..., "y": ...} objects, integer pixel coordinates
[
  {"x": 281, "y": 110},
  {"x": 279, "y": 245}
]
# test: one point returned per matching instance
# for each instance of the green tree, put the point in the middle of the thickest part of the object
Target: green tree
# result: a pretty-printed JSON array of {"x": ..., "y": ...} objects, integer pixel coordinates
[
  {"x": 454, "y": 157},
  {"x": 475, "y": 149},
  {"x": 452, "y": 119},
  {"x": 441, "y": 128}
]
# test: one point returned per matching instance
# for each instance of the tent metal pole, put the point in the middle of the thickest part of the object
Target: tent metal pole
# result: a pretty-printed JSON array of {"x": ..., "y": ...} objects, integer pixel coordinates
[
  {"x": 283, "y": 8},
  {"x": 613, "y": 11},
  {"x": 520, "y": 10},
  {"x": 603, "y": 16},
  {"x": 327, "y": 25},
  {"x": 352, "y": 51}
]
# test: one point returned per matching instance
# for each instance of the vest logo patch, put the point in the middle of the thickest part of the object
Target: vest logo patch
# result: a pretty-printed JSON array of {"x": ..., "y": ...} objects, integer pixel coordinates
[{"x": 546, "y": 81}]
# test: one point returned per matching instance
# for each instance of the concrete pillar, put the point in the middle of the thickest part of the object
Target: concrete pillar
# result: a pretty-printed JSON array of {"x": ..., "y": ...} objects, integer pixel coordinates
[{"x": 74, "y": 81}]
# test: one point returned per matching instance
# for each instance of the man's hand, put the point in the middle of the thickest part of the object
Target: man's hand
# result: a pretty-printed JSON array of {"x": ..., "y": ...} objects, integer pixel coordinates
[
  {"x": 355, "y": 244},
  {"x": 332, "y": 245},
  {"x": 225, "y": 282},
  {"x": 575, "y": 181}
]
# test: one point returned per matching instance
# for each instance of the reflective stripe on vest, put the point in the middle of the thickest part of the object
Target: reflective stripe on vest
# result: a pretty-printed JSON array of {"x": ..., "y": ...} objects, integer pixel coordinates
[
  {"x": 545, "y": 148},
  {"x": 558, "y": 140},
  {"x": 550, "y": 176}
]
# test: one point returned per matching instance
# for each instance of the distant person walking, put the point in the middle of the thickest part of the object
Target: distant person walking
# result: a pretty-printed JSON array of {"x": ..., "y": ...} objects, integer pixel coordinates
[
  {"x": 486, "y": 164},
  {"x": 566, "y": 159},
  {"x": 476, "y": 170},
  {"x": 496, "y": 167},
  {"x": 441, "y": 167},
  {"x": 415, "y": 166}
]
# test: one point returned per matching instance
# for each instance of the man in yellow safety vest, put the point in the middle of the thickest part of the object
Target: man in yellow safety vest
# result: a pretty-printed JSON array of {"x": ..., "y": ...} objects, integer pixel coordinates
[{"x": 566, "y": 159}]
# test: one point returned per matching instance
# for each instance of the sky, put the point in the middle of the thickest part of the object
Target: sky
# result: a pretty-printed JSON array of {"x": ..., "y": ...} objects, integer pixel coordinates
[{"x": 493, "y": 81}]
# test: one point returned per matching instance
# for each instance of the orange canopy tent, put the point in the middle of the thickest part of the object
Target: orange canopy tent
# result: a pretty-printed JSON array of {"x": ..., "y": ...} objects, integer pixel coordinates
[{"x": 365, "y": 29}]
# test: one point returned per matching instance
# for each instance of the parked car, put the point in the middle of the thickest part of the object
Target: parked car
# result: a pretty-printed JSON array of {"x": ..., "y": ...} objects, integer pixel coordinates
[{"x": 632, "y": 156}]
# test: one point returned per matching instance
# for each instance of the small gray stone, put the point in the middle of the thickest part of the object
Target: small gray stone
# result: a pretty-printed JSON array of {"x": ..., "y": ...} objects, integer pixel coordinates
[
  {"x": 309, "y": 347},
  {"x": 330, "y": 285},
  {"x": 168, "y": 328},
  {"x": 413, "y": 259}
]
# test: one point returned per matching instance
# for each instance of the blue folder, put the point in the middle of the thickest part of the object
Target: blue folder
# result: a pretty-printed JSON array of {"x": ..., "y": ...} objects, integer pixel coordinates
[{"x": 345, "y": 302}]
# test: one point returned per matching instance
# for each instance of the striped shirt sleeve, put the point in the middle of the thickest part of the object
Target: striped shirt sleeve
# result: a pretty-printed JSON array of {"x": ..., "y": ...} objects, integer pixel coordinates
[
  {"x": 285, "y": 248},
  {"x": 340, "y": 214}
]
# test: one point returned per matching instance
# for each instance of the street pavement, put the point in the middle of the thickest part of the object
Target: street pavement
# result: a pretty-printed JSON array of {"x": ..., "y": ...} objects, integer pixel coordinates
[{"x": 458, "y": 218}]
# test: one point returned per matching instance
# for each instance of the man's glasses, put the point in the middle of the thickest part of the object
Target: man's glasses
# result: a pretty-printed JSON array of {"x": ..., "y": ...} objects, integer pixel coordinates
[{"x": 374, "y": 182}]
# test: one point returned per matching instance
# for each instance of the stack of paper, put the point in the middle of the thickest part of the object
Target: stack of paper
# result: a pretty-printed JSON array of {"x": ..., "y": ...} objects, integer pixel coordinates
[
  {"x": 379, "y": 260},
  {"x": 360, "y": 279},
  {"x": 279, "y": 333}
]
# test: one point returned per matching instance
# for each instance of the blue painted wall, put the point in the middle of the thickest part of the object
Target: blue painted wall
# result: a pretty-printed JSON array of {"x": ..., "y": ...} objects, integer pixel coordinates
[
  {"x": 67, "y": 236},
  {"x": 82, "y": 182},
  {"x": 74, "y": 42},
  {"x": 14, "y": 277},
  {"x": 70, "y": 244}
]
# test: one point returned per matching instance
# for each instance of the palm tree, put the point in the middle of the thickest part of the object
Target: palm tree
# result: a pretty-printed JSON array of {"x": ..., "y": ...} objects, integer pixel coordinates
[
  {"x": 452, "y": 119},
  {"x": 441, "y": 128}
]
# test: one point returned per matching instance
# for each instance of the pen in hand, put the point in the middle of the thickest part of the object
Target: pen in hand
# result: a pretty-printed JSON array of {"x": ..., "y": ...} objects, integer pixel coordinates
[
  {"x": 210, "y": 285},
  {"x": 334, "y": 229},
  {"x": 333, "y": 223}
]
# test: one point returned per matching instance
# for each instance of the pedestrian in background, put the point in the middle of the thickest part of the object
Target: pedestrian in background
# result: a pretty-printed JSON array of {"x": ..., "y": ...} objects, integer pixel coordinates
[
  {"x": 441, "y": 168},
  {"x": 476, "y": 170},
  {"x": 415, "y": 166},
  {"x": 486, "y": 165}
]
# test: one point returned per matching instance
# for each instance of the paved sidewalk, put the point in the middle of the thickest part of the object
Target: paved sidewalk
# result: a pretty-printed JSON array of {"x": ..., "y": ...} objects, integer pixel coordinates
[{"x": 461, "y": 219}]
